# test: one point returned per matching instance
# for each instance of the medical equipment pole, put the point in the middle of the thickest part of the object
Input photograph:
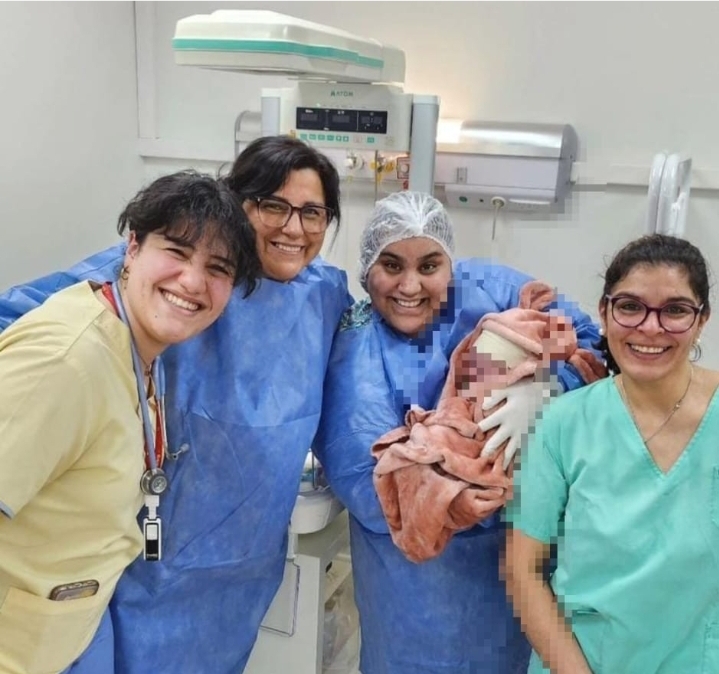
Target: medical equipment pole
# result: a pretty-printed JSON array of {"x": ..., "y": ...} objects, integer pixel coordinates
[
  {"x": 423, "y": 143},
  {"x": 270, "y": 107},
  {"x": 668, "y": 192},
  {"x": 674, "y": 196},
  {"x": 655, "y": 184},
  {"x": 681, "y": 206}
]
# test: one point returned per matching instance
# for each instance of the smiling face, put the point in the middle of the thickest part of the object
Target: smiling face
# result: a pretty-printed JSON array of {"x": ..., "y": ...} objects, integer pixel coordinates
[
  {"x": 286, "y": 251},
  {"x": 173, "y": 291},
  {"x": 648, "y": 353},
  {"x": 408, "y": 283}
]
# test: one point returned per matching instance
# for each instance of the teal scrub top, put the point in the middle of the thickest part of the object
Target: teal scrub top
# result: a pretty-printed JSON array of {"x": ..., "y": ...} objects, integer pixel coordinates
[{"x": 637, "y": 549}]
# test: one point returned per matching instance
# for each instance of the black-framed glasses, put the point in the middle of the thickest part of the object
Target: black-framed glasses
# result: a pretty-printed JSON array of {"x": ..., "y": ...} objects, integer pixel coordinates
[
  {"x": 276, "y": 213},
  {"x": 674, "y": 317}
]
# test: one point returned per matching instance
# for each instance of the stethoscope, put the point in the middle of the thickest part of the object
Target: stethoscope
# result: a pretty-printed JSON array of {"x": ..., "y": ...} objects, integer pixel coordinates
[{"x": 154, "y": 480}]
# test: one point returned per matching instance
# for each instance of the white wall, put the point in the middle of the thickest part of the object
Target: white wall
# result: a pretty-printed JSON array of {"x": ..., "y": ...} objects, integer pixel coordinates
[
  {"x": 632, "y": 78},
  {"x": 68, "y": 124}
]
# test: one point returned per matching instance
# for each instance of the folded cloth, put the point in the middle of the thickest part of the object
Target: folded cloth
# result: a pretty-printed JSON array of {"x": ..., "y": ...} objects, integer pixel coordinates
[{"x": 430, "y": 477}]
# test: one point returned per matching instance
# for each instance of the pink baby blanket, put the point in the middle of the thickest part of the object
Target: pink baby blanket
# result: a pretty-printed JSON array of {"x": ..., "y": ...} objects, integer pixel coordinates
[{"x": 430, "y": 477}]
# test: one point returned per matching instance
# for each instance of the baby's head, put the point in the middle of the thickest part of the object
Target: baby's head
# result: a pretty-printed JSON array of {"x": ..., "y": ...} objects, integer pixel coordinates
[{"x": 475, "y": 374}]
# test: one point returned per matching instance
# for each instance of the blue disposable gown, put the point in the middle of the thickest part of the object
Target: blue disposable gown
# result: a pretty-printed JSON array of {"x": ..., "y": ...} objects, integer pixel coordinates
[
  {"x": 243, "y": 405},
  {"x": 449, "y": 614}
]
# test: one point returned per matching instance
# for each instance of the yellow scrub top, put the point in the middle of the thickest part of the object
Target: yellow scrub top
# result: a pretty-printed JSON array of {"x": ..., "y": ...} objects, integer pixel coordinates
[
  {"x": 638, "y": 550},
  {"x": 71, "y": 451}
]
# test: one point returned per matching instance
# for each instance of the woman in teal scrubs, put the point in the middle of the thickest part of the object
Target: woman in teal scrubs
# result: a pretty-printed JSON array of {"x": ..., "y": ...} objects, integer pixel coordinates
[{"x": 624, "y": 476}]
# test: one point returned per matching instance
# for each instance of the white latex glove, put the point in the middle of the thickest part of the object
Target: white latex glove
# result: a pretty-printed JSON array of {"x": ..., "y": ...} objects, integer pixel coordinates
[{"x": 514, "y": 419}]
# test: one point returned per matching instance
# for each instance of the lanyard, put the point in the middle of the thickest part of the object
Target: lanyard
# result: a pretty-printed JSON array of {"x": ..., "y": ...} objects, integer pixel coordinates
[
  {"x": 153, "y": 481},
  {"x": 154, "y": 446}
]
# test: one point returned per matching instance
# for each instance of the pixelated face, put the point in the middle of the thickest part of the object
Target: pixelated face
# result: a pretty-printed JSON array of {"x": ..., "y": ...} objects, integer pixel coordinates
[
  {"x": 649, "y": 352},
  {"x": 474, "y": 373},
  {"x": 408, "y": 283},
  {"x": 286, "y": 251}
]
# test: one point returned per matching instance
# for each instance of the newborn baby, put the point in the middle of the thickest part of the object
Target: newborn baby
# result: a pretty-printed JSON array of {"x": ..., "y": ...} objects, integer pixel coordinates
[{"x": 431, "y": 477}]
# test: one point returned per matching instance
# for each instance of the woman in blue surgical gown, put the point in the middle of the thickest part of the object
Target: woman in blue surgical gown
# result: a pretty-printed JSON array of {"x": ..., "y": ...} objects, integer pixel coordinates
[
  {"x": 243, "y": 404},
  {"x": 624, "y": 476},
  {"x": 448, "y": 615}
]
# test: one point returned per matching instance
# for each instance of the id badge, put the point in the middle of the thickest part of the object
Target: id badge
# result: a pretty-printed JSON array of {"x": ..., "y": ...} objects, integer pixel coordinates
[{"x": 152, "y": 532}]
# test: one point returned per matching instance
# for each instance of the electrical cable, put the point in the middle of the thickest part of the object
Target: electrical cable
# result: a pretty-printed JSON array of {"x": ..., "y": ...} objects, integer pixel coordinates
[{"x": 498, "y": 203}]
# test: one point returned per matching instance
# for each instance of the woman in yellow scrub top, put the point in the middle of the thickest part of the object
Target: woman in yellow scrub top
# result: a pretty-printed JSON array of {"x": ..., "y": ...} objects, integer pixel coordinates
[
  {"x": 624, "y": 476},
  {"x": 77, "y": 435}
]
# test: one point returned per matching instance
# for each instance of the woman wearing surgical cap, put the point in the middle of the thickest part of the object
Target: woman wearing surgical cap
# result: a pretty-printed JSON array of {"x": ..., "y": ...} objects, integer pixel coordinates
[
  {"x": 243, "y": 404},
  {"x": 448, "y": 615}
]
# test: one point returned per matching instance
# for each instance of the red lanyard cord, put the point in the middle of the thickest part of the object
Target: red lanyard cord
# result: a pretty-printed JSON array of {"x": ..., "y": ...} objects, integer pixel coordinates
[{"x": 159, "y": 435}]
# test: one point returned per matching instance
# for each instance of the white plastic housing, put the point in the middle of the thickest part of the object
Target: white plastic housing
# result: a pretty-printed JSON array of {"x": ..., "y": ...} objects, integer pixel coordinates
[
  {"x": 260, "y": 41},
  {"x": 314, "y": 510}
]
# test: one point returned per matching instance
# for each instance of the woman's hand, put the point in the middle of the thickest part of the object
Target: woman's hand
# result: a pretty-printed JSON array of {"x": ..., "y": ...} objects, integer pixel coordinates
[{"x": 536, "y": 606}]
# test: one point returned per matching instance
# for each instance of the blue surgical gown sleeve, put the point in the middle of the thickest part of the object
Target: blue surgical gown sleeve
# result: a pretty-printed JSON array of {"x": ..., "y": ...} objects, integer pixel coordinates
[
  {"x": 356, "y": 410},
  {"x": 17, "y": 301}
]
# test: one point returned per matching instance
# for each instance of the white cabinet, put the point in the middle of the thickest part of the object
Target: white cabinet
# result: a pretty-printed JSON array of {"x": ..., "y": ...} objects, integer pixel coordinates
[{"x": 313, "y": 612}]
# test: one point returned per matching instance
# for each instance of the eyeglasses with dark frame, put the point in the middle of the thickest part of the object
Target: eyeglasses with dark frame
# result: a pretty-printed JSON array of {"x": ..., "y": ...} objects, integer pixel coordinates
[
  {"x": 674, "y": 317},
  {"x": 275, "y": 212}
]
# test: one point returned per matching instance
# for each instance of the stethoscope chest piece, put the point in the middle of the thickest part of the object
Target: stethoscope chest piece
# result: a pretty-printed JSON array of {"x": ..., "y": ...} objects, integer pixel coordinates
[{"x": 154, "y": 482}]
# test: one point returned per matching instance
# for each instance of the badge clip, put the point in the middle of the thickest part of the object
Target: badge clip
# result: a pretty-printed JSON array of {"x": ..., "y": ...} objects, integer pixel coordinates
[{"x": 152, "y": 531}]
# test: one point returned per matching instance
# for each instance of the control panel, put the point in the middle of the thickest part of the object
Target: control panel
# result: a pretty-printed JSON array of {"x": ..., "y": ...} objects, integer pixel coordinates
[{"x": 347, "y": 116}]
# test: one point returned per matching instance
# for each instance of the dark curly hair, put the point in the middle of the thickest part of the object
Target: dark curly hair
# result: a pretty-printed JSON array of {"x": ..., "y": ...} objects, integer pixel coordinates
[{"x": 189, "y": 206}]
